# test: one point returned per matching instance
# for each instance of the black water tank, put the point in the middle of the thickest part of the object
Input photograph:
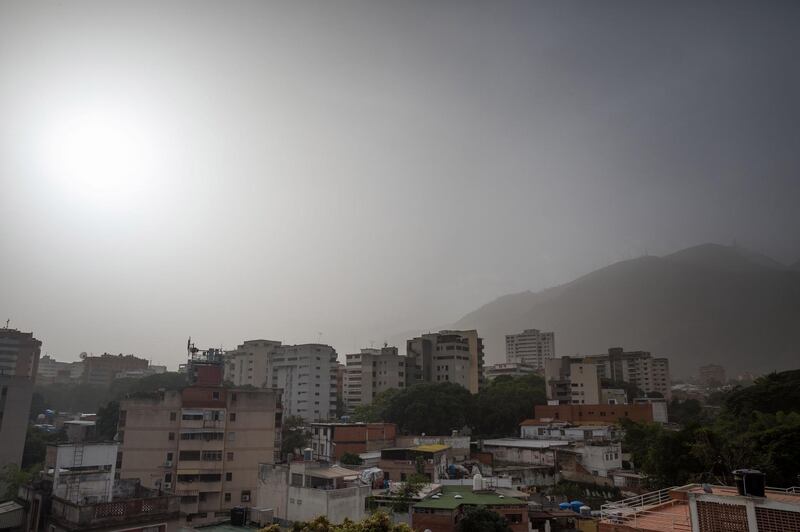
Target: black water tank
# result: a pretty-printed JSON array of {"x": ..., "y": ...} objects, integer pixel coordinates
[
  {"x": 750, "y": 482},
  {"x": 238, "y": 516}
]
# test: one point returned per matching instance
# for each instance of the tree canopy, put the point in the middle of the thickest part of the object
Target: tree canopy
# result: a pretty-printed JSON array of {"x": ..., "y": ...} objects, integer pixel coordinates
[
  {"x": 377, "y": 522},
  {"x": 481, "y": 519},
  {"x": 758, "y": 428},
  {"x": 497, "y": 409}
]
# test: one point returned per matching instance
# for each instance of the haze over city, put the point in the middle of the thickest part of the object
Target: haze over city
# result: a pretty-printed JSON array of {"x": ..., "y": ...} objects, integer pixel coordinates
[{"x": 348, "y": 172}]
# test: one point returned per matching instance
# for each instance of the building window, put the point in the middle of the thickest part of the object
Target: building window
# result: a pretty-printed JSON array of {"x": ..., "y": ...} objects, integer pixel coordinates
[
  {"x": 227, "y": 497},
  {"x": 168, "y": 477},
  {"x": 215, "y": 395},
  {"x": 233, "y": 416},
  {"x": 173, "y": 416},
  {"x": 246, "y": 496},
  {"x": 171, "y": 436},
  {"x": 231, "y": 436},
  {"x": 230, "y": 457},
  {"x": 228, "y": 477}
]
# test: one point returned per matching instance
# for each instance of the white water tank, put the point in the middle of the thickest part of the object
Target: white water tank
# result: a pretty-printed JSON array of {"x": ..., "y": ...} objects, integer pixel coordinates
[{"x": 477, "y": 482}]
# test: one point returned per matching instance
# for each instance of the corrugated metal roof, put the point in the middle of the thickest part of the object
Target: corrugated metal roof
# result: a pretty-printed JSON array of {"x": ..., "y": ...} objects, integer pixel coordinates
[{"x": 431, "y": 448}]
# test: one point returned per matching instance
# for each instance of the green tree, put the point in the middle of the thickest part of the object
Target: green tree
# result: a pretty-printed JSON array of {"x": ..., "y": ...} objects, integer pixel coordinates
[
  {"x": 377, "y": 522},
  {"x": 769, "y": 394},
  {"x": 375, "y": 412},
  {"x": 294, "y": 435},
  {"x": 504, "y": 403},
  {"x": 351, "y": 459},
  {"x": 430, "y": 408},
  {"x": 12, "y": 477},
  {"x": 107, "y": 419},
  {"x": 480, "y": 519}
]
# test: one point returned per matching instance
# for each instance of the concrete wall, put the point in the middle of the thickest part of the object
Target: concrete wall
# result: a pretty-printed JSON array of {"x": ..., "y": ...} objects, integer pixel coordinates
[
  {"x": 337, "y": 505},
  {"x": 519, "y": 455},
  {"x": 15, "y": 403}
]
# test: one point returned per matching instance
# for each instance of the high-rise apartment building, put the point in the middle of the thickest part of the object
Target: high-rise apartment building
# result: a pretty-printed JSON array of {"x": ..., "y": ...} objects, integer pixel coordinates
[
  {"x": 640, "y": 368},
  {"x": 203, "y": 443},
  {"x": 446, "y": 356},
  {"x": 19, "y": 353},
  {"x": 571, "y": 380},
  {"x": 19, "y": 361},
  {"x": 371, "y": 372},
  {"x": 306, "y": 374},
  {"x": 531, "y": 348}
]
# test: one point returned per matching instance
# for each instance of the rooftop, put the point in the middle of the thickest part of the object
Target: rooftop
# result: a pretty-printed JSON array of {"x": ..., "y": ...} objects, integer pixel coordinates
[
  {"x": 668, "y": 509},
  {"x": 431, "y": 448},
  {"x": 526, "y": 444},
  {"x": 448, "y": 500}
]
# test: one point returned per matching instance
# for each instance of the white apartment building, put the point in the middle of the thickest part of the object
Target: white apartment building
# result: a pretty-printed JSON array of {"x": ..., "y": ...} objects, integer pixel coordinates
[
  {"x": 371, "y": 372},
  {"x": 305, "y": 373},
  {"x": 531, "y": 348},
  {"x": 82, "y": 472}
]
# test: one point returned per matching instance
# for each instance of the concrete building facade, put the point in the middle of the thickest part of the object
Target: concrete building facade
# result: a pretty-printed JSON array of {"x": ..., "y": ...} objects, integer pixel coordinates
[
  {"x": 19, "y": 353},
  {"x": 570, "y": 380},
  {"x": 330, "y": 441},
  {"x": 531, "y": 348},
  {"x": 102, "y": 370},
  {"x": 19, "y": 363},
  {"x": 371, "y": 372},
  {"x": 15, "y": 403},
  {"x": 203, "y": 443},
  {"x": 510, "y": 369},
  {"x": 640, "y": 368},
  {"x": 306, "y": 374},
  {"x": 447, "y": 356},
  {"x": 302, "y": 491}
]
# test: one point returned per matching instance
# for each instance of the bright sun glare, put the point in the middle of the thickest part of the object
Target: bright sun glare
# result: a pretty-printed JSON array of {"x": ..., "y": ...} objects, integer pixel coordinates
[{"x": 104, "y": 158}]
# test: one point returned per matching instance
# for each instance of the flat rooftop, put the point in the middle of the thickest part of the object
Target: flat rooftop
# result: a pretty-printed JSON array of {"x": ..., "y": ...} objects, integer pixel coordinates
[{"x": 525, "y": 444}]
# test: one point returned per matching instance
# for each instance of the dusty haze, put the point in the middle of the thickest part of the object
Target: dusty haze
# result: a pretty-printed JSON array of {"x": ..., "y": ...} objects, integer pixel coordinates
[{"x": 356, "y": 169}]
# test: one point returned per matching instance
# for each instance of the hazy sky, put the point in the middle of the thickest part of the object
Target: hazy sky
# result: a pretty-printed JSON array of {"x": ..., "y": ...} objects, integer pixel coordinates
[{"x": 237, "y": 170}]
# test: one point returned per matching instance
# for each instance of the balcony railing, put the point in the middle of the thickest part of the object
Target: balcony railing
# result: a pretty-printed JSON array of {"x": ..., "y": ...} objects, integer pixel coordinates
[{"x": 78, "y": 517}]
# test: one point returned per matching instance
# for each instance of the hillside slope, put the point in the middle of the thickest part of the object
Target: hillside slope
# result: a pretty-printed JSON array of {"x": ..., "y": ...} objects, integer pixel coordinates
[{"x": 704, "y": 304}]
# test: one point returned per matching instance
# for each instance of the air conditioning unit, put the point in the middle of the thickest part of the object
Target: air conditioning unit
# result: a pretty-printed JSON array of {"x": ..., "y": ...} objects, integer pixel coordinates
[
  {"x": 168, "y": 463},
  {"x": 167, "y": 486},
  {"x": 245, "y": 498}
]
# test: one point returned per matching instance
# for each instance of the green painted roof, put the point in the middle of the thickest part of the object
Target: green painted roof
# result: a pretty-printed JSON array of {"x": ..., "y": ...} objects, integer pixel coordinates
[{"x": 447, "y": 501}]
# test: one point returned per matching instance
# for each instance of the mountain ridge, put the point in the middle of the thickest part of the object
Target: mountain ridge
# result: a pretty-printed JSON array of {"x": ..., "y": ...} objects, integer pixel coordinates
[{"x": 704, "y": 304}]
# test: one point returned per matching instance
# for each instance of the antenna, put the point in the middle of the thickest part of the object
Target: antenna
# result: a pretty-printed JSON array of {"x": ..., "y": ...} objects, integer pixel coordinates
[
  {"x": 319, "y": 337},
  {"x": 7, "y": 322}
]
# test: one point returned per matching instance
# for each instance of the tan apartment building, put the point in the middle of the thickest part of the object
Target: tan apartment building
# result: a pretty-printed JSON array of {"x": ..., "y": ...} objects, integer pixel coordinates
[
  {"x": 571, "y": 381},
  {"x": 446, "y": 356},
  {"x": 641, "y": 368},
  {"x": 371, "y": 372},
  {"x": 204, "y": 443}
]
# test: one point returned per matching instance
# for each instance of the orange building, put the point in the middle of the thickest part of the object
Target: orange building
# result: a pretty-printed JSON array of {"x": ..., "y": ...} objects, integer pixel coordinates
[{"x": 594, "y": 413}]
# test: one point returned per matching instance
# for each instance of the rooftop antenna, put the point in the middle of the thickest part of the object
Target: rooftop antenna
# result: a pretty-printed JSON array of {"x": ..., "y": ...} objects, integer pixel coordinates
[
  {"x": 319, "y": 337},
  {"x": 7, "y": 322}
]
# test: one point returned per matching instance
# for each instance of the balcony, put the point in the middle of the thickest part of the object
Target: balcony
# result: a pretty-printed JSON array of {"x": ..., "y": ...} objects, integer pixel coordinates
[{"x": 109, "y": 514}]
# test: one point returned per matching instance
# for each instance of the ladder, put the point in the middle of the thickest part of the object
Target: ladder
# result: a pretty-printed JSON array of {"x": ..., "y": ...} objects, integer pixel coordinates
[{"x": 74, "y": 479}]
